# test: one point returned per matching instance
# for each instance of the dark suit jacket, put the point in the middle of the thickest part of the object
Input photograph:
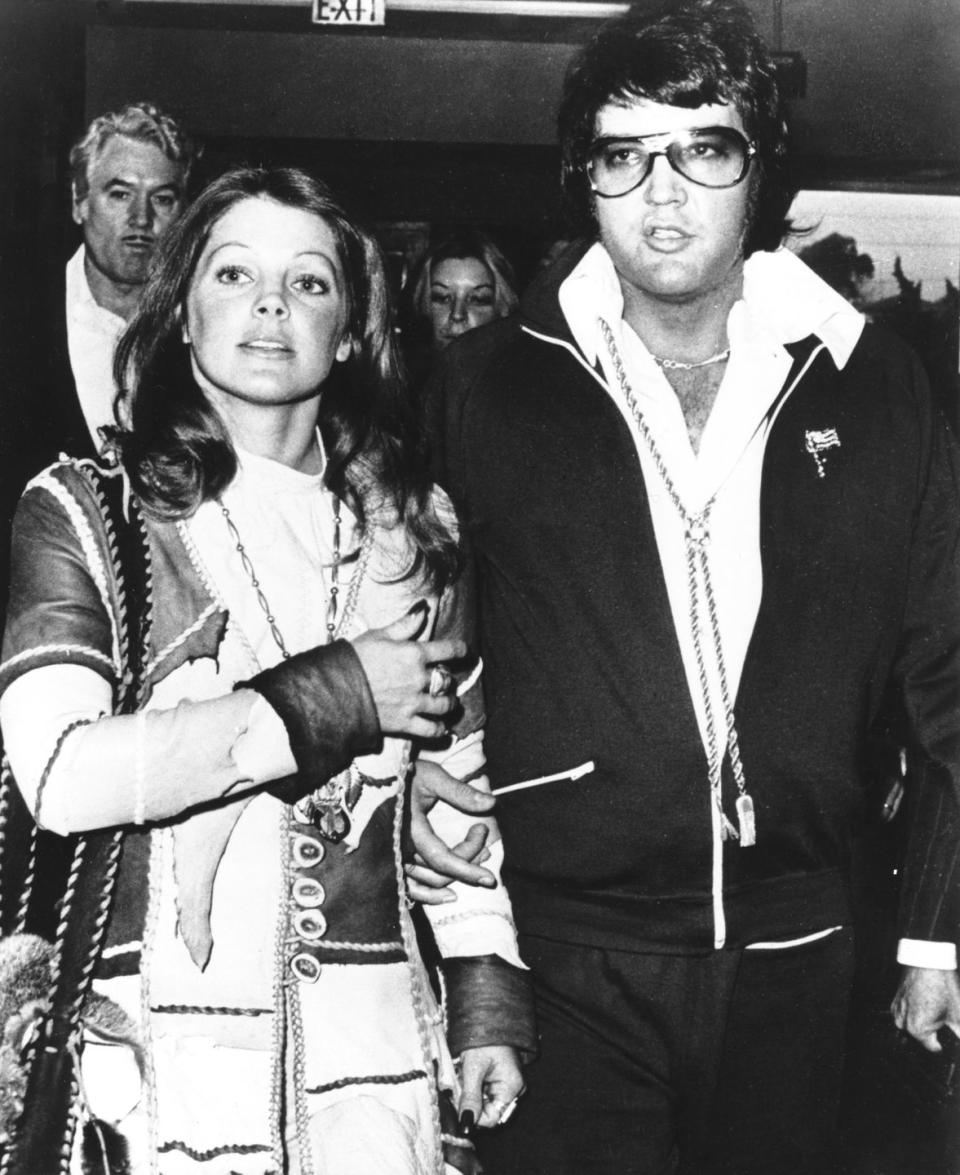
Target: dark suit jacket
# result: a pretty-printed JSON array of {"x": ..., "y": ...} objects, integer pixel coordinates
[{"x": 40, "y": 414}]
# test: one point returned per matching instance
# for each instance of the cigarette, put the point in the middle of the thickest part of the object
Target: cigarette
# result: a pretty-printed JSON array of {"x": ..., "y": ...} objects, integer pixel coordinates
[{"x": 576, "y": 773}]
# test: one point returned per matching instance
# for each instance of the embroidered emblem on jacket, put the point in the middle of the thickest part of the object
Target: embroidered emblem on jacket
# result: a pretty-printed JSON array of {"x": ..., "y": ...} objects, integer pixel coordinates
[{"x": 818, "y": 441}]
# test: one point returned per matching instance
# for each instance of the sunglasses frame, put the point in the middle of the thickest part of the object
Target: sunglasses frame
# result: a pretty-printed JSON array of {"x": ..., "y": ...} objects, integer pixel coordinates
[{"x": 673, "y": 138}]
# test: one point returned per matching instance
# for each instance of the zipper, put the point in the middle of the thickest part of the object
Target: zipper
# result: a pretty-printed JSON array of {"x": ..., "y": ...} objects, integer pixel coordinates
[{"x": 719, "y": 912}]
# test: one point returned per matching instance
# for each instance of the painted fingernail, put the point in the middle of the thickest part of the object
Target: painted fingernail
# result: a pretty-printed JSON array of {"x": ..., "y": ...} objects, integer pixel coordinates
[{"x": 467, "y": 1121}]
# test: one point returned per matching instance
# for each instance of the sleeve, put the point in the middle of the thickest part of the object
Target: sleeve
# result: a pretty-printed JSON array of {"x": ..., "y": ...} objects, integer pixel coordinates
[
  {"x": 930, "y": 890},
  {"x": 928, "y": 668},
  {"x": 80, "y": 768},
  {"x": 488, "y": 993},
  {"x": 78, "y": 765}
]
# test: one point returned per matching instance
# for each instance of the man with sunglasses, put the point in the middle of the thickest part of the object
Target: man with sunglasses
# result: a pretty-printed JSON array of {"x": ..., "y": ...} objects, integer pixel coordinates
[{"x": 716, "y": 526}]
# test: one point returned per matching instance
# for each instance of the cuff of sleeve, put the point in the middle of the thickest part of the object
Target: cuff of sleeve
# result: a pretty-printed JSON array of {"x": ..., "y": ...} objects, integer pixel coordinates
[
  {"x": 938, "y": 956},
  {"x": 489, "y": 1003},
  {"x": 324, "y": 701}
]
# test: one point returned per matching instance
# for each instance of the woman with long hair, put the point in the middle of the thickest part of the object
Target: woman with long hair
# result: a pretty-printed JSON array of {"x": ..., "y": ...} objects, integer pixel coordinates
[
  {"x": 300, "y": 634},
  {"x": 463, "y": 281}
]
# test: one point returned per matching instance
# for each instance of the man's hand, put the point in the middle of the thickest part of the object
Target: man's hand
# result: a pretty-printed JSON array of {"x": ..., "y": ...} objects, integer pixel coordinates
[
  {"x": 926, "y": 1001},
  {"x": 435, "y": 864}
]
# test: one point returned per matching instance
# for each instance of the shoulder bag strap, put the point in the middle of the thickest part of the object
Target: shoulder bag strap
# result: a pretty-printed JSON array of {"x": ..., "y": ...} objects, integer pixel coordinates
[{"x": 45, "y": 1133}]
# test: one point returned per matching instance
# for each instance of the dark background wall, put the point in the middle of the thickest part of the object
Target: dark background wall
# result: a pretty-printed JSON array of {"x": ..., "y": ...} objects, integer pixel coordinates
[{"x": 436, "y": 118}]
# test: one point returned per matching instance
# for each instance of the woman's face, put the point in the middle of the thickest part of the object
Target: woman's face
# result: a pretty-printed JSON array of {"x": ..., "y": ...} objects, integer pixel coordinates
[
  {"x": 266, "y": 313},
  {"x": 462, "y": 296}
]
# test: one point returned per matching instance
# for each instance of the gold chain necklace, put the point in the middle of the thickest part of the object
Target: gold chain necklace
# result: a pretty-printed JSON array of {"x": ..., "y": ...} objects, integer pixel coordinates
[
  {"x": 328, "y": 808},
  {"x": 679, "y": 365}
]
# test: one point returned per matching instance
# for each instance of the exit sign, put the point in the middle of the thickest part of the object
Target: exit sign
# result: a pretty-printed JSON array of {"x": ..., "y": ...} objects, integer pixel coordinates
[{"x": 349, "y": 13}]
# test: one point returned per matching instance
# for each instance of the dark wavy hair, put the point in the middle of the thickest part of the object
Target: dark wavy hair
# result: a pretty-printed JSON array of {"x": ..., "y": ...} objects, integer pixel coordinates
[
  {"x": 176, "y": 448},
  {"x": 686, "y": 53}
]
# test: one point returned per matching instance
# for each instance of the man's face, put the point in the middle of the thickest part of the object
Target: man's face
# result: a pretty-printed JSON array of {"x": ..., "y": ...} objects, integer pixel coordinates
[
  {"x": 135, "y": 193},
  {"x": 672, "y": 240}
]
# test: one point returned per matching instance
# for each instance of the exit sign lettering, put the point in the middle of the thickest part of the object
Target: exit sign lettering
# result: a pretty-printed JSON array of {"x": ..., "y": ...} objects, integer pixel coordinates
[{"x": 349, "y": 13}]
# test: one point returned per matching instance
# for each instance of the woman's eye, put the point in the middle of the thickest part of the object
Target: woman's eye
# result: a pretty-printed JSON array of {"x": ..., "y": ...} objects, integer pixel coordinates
[
  {"x": 309, "y": 283},
  {"x": 437, "y": 299},
  {"x": 232, "y": 275},
  {"x": 481, "y": 300}
]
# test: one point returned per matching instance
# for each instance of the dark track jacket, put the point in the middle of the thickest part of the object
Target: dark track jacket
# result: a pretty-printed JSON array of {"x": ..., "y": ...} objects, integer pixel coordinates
[{"x": 861, "y": 594}]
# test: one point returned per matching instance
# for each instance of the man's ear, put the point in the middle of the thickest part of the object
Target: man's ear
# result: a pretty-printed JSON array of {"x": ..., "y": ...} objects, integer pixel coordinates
[{"x": 76, "y": 205}]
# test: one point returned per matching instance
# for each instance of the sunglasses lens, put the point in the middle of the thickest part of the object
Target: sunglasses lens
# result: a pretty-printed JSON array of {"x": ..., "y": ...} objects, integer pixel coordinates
[{"x": 714, "y": 158}]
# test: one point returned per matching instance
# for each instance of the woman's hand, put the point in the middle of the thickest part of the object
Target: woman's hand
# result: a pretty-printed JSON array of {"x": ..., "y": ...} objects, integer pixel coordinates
[
  {"x": 399, "y": 668},
  {"x": 435, "y": 864},
  {"x": 491, "y": 1082}
]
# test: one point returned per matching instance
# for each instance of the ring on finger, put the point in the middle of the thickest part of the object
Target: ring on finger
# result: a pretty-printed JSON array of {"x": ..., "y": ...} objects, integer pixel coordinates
[{"x": 440, "y": 681}]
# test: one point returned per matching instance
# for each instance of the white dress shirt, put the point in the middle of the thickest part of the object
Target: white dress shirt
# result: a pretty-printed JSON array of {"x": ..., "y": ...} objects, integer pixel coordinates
[{"x": 92, "y": 334}]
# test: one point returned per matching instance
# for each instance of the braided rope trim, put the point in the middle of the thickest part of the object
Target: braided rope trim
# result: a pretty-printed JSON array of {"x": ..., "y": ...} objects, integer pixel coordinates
[
  {"x": 206, "y": 1010},
  {"x": 29, "y": 878},
  {"x": 95, "y": 565},
  {"x": 212, "y": 590},
  {"x": 100, "y": 924},
  {"x": 198, "y": 564},
  {"x": 280, "y": 987},
  {"x": 370, "y": 1079},
  {"x": 54, "y": 755},
  {"x": 216, "y": 1152},
  {"x": 7, "y": 785},
  {"x": 158, "y": 843},
  {"x": 123, "y": 623},
  {"x": 210, "y": 610},
  {"x": 84, "y": 652},
  {"x": 361, "y": 947},
  {"x": 697, "y": 560},
  {"x": 416, "y": 977},
  {"x": 145, "y": 616}
]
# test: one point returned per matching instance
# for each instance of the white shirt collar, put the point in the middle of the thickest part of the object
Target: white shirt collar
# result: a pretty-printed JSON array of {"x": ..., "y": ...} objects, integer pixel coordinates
[
  {"x": 80, "y": 299},
  {"x": 783, "y": 299}
]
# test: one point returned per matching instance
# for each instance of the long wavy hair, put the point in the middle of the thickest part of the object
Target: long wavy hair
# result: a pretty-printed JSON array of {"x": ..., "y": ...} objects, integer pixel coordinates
[
  {"x": 686, "y": 53},
  {"x": 175, "y": 446}
]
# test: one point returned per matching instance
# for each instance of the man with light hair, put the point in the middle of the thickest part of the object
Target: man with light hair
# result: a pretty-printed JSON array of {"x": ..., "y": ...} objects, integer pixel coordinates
[{"x": 129, "y": 174}]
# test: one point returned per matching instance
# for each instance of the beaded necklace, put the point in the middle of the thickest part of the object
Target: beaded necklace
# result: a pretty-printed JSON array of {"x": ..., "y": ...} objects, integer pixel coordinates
[
  {"x": 329, "y": 807},
  {"x": 696, "y": 541}
]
